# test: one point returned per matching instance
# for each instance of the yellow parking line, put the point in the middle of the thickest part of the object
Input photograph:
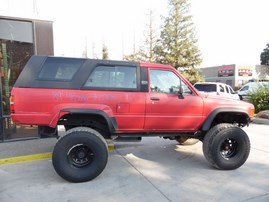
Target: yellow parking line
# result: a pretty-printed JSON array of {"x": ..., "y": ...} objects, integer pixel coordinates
[
  {"x": 35, "y": 157},
  {"x": 27, "y": 158},
  {"x": 111, "y": 147}
]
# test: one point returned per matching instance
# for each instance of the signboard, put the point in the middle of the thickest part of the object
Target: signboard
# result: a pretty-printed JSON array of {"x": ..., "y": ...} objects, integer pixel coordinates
[
  {"x": 226, "y": 71},
  {"x": 245, "y": 71}
]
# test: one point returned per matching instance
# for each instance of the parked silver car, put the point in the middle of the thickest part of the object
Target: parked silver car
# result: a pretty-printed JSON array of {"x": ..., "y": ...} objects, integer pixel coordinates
[{"x": 246, "y": 90}]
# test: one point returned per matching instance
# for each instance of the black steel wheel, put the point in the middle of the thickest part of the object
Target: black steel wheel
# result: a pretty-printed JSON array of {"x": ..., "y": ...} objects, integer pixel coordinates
[
  {"x": 81, "y": 155},
  {"x": 229, "y": 148},
  {"x": 226, "y": 146}
]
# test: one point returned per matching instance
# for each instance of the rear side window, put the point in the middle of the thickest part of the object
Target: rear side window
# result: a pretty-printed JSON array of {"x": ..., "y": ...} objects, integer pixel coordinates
[
  {"x": 119, "y": 77},
  {"x": 60, "y": 69},
  {"x": 206, "y": 87}
]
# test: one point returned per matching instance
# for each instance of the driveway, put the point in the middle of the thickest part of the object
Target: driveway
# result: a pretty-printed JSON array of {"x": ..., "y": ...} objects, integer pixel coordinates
[{"x": 152, "y": 170}]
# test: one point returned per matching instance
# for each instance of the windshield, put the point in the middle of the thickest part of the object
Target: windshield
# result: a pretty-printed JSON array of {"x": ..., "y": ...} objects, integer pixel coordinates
[{"x": 206, "y": 87}]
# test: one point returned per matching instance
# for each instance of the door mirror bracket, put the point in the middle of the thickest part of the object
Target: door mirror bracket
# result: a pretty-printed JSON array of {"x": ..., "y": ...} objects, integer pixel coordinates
[{"x": 180, "y": 93}]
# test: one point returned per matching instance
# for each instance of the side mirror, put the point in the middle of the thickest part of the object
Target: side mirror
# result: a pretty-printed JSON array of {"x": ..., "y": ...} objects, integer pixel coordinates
[{"x": 180, "y": 93}]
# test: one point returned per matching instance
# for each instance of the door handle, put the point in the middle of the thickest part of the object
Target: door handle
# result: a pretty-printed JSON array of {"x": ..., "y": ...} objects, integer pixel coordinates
[{"x": 155, "y": 98}]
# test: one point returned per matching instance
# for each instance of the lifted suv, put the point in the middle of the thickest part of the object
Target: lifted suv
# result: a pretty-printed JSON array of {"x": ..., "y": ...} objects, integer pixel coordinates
[{"x": 102, "y": 99}]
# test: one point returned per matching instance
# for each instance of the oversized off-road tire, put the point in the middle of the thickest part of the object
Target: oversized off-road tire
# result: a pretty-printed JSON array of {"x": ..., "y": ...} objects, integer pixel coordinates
[
  {"x": 81, "y": 155},
  {"x": 186, "y": 140},
  {"x": 226, "y": 146}
]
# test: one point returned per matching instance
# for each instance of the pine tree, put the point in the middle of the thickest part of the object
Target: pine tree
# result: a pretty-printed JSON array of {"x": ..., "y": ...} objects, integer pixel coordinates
[
  {"x": 177, "y": 43},
  {"x": 265, "y": 56}
]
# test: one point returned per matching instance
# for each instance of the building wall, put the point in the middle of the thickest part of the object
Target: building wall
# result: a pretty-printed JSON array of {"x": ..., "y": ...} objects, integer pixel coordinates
[
  {"x": 43, "y": 37},
  {"x": 236, "y": 75},
  {"x": 223, "y": 74}
]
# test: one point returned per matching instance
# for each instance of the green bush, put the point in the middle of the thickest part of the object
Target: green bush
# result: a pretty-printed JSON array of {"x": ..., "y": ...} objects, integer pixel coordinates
[{"x": 260, "y": 98}]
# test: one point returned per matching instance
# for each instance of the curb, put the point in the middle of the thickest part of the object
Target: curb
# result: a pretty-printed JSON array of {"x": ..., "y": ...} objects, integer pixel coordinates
[{"x": 261, "y": 121}]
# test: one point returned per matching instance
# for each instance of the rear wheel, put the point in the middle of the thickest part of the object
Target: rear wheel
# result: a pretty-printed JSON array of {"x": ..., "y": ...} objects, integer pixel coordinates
[
  {"x": 226, "y": 146},
  {"x": 81, "y": 155}
]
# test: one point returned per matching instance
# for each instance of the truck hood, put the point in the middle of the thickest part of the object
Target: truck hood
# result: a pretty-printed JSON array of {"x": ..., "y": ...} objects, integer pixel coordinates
[{"x": 212, "y": 103}]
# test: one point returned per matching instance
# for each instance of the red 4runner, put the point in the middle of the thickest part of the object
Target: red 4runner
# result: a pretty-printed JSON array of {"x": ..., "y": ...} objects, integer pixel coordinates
[{"x": 103, "y": 99}]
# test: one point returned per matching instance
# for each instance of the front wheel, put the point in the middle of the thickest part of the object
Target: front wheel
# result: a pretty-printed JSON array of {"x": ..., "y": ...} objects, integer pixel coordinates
[
  {"x": 226, "y": 146},
  {"x": 81, "y": 155}
]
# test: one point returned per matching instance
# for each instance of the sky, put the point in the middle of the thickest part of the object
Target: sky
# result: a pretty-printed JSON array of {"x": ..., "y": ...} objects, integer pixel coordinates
[{"x": 228, "y": 31}]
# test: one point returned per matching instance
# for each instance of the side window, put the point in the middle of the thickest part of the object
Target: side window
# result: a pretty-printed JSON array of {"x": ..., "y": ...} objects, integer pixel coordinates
[
  {"x": 245, "y": 88},
  {"x": 227, "y": 89},
  {"x": 113, "y": 77},
  {"x": 221, "y": 88},
  {"x": 166, "y": 82},
  {"x": 60, "y": 69},
  {"x": 231, "y": 90}
]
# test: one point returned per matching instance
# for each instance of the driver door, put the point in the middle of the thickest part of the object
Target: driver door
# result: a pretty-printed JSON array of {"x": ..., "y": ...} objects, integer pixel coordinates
[{"x": 165, "y": 111}]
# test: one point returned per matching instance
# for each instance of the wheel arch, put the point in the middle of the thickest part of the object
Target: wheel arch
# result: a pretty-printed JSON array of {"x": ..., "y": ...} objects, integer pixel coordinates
[
  {"x": 226, "y": 115},
  {"x": 79, "y": 117}
]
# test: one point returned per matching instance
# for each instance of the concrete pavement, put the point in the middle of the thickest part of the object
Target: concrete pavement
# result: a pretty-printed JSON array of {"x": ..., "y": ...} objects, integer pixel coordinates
[{"x": 152, "y": 170}]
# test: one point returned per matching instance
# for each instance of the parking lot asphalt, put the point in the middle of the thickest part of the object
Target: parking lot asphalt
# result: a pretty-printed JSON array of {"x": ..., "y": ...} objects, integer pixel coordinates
[{"x": 154, "y": 169}]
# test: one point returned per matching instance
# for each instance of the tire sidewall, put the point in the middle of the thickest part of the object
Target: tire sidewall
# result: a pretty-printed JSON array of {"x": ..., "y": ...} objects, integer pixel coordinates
[
  {"x": 88, "y": 172},
  {"x": 242, "y": 150},
  {"x": 213, "y": 144}
]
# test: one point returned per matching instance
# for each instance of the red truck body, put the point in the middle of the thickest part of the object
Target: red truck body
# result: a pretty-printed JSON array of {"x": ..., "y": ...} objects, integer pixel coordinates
[
  {"x": 133, "y": 111},
  {"x": 97, "y": 99}
]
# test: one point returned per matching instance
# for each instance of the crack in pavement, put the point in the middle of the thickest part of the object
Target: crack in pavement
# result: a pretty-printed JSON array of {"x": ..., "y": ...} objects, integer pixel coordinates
[
  {"x": 260, "y": 150},
  {"x": 255, "y": 197},
  {"x": 144, "y": 176}
]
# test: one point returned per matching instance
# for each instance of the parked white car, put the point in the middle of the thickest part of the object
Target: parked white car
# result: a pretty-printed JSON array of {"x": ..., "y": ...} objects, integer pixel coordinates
[
  {"x": 216, "y": 88},
  {"x": 246, "y": 90}
]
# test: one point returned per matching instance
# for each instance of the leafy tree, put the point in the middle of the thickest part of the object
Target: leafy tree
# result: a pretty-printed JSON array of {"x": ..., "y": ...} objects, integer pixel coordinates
[
  {"x": 133, "y": 57},
  {"x": 146, "y": 51},
  {"x": 265, "y": 56},
  {"x": 105, "y": 53},
  {"x": 151, "y": 37},
  {"x": 177, "y": 43}
]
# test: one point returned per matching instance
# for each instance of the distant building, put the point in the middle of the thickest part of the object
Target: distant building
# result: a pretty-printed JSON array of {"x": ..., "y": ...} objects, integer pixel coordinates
[
  {"x": 19, "y": 39},
  {"x": 235, "y": 75}
]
